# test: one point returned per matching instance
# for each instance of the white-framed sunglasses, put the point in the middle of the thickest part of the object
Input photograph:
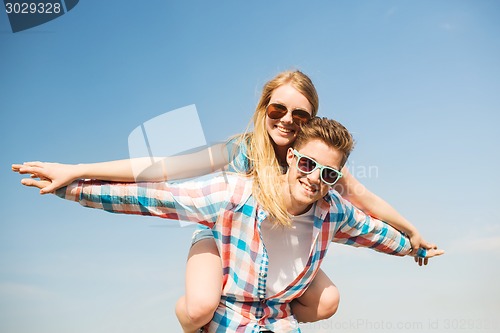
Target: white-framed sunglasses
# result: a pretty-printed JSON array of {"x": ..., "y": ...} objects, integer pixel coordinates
[{"x": 307, "y": 165}]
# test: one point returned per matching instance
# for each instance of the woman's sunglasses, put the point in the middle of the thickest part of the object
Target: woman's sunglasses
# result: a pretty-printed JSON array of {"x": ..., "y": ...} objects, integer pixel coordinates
[
  {"x": 307, "y": 165},
  {"x": 277, "y": 111}
]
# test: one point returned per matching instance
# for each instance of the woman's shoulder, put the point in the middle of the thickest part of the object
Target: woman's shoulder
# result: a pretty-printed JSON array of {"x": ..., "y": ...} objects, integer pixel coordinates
[{"x": 237, "y": 148}]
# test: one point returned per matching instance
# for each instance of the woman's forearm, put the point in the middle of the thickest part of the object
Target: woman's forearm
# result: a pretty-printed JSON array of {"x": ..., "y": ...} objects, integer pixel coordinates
[
  {"x": 379, "y": 208},
  {"x": 153, "y": 169},
  {"x": 119, "y": 170},
  {"x": 351, "y": 189},
  {"x": 143, "y": 169}
]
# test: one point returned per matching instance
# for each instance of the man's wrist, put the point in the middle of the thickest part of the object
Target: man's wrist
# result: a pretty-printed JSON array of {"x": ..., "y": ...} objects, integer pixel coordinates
[{"x": 421, "y": 253}]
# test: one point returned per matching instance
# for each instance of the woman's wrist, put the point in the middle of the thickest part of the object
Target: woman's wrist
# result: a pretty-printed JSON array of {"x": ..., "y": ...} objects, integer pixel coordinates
[
  {"x": 410, "y": 230},
  {"x": 79, "y": 171}
]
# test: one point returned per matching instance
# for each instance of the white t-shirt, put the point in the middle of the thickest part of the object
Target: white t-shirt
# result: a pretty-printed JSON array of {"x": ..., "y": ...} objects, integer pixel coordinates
[{"x": 288, "y": 249}]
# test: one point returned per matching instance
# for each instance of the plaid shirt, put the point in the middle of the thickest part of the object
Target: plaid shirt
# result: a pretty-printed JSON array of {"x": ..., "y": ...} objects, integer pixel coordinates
[{"x": 225, "y": 204}]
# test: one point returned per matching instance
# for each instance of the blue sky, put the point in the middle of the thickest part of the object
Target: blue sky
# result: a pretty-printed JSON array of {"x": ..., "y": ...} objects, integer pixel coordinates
[{"x": 417, "y": 82}]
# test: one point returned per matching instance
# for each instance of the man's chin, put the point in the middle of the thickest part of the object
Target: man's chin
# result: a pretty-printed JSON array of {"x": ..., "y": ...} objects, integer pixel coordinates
[{"x": 308, "y": 198}]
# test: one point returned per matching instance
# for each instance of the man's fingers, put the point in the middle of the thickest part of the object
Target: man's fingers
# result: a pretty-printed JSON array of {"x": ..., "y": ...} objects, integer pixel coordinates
[
  {"x": 48, "y": 189},
  {"x": 31, "y": 182},
  {"x": 433, "y": 252},
  {"x": 35, "y": 183},
  {"x": 419, "y": 260}
]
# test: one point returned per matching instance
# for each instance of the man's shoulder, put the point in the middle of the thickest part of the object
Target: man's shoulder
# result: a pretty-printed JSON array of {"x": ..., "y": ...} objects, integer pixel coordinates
[
  {"x": 227, "y": 177},
  {"x": 234, "y": 182},
  {"x": 334, "y": 203},
  {"x": 334, "y": 197},
  {"x": 235, "y": 178},
  {"x": 238, "y": 187}
]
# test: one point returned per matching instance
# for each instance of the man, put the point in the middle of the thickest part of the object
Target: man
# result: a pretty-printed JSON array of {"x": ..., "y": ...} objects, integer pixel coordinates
[{"x": 265, "y": 265}]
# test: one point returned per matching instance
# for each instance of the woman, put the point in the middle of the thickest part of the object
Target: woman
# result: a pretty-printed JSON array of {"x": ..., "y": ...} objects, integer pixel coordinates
[{"x": 287, "y": 100}]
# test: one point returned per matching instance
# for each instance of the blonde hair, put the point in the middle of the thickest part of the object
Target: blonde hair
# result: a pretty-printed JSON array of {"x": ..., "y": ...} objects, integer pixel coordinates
[{"x": 264, "y": 166}]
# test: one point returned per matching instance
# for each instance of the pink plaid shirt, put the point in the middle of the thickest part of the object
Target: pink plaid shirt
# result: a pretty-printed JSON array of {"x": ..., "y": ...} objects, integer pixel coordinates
[{"x": 225, "y": 204}]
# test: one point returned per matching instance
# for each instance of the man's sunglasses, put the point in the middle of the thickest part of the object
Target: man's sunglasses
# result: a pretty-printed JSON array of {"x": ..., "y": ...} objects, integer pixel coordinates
[
  {"x": 307, "y": 165},
  {"x": 277, "y": 111}
]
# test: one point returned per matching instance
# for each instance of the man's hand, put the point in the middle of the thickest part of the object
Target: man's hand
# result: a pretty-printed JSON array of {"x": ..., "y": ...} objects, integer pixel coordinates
[
  {"x": 41, "y": 184},
  {"x": 52, "y": 175},
  {"x": 418, "y": 242},
  {"x": 432, "y": 252}
]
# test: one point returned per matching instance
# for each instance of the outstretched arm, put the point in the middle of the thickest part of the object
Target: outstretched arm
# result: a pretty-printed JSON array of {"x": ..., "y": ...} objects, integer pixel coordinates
[
  {"x": 351, "y": 189},
  {"x": 360, "y": 230},
  {"x": 194, "y": 201},
  {"x": 151, "y": 169}
]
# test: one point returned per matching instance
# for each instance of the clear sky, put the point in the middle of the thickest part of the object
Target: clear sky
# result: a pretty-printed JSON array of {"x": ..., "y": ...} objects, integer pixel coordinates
[{"x": 417, "y": 82}]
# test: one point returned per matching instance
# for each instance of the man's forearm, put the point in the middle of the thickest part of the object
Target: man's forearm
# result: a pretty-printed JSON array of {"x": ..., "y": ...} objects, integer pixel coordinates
[
  {"x": 194, "y": 201},
  {"x": 361, "y": 230},
  {"x": 129, "y": 198}
]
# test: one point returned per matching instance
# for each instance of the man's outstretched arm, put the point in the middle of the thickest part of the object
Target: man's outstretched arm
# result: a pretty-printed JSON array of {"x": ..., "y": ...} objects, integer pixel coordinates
[
  {"x": 194, "y": 201},
  {"x": 360, "y": 230}
]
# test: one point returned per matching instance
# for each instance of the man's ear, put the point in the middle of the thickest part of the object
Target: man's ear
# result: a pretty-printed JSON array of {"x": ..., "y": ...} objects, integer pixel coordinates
[{"x": 289, "y": 156}]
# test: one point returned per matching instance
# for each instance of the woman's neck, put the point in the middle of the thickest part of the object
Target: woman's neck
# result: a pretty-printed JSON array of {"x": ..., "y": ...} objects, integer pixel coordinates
[{"x": 280, "y": 152}]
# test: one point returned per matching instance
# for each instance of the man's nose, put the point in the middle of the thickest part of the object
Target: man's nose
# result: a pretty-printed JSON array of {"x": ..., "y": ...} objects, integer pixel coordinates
[{"x": 315, "y": 177}]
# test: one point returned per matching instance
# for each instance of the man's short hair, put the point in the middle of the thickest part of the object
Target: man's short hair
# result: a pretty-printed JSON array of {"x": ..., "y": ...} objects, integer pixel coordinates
[{"x": 329, "y": 131}]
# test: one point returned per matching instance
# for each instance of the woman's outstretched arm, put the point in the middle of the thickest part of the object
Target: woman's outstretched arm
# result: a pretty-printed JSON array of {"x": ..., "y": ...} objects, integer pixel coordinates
[
  {"x": 371, "y": 204},
  {"x": 149, "y": 169}
]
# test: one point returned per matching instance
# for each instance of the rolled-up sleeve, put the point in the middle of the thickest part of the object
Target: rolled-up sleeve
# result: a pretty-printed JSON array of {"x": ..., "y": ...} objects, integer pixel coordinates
[{"x": 360, "y": 230}]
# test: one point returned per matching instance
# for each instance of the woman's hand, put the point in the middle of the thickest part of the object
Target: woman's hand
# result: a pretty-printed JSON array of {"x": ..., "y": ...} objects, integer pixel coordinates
[
  {"x": 418, "y": 242},
  {"x": 52, "y": 175}
]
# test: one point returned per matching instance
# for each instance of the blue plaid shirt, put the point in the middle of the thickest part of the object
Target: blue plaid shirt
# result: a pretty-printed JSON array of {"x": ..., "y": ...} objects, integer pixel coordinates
[{"x": 225, "y": 204}]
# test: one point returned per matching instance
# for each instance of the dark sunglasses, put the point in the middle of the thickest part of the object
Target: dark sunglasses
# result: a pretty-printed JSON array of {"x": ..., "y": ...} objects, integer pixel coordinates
[
  {"x": 277, "y": 111},
  {"x": 307, "y": 165}
]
